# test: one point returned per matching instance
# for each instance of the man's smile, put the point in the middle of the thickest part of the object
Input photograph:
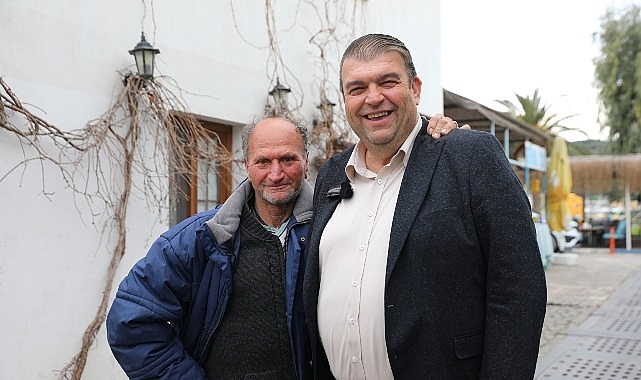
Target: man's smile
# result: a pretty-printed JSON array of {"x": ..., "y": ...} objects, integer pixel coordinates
[{"x": 377, "y": 115}]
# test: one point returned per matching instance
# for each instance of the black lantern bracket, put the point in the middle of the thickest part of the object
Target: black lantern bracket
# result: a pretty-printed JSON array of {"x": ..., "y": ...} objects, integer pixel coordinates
[{"x": 144, "y": 54}]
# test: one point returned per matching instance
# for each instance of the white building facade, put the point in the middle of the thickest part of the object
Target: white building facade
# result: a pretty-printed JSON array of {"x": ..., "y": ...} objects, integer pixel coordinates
[{"x": 65, "y": 61}]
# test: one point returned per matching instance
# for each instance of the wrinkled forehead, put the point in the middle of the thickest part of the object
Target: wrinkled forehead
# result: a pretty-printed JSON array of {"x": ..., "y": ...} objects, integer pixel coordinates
[{"x": 276, "y": 136}]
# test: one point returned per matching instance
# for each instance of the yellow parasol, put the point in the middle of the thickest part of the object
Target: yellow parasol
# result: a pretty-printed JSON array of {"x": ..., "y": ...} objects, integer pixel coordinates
[{"x": 559, "y": 185}]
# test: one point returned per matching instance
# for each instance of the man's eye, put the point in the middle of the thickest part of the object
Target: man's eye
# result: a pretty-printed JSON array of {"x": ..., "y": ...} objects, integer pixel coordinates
[
  {"x": 389, "y": 84},
  {"x": 356, "y": 91}
]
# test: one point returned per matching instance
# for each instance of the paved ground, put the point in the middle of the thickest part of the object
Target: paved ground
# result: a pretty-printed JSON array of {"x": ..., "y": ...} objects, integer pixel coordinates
[{"x": 595, "y": 302}]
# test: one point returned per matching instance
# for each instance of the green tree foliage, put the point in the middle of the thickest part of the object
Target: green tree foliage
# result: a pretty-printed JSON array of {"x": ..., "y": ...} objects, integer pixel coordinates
[
  {"x": 597, "y": 147},
  {"x": 618, "y": 78},
  {"x": 534, "y": 112}
]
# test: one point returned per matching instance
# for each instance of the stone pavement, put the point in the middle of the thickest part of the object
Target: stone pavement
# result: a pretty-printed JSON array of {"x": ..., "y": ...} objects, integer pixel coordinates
[{"x": 592, "y": 328}]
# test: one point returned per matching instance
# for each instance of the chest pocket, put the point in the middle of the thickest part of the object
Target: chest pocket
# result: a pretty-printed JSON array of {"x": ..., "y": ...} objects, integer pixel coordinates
[{"x": 468, "y": 346}]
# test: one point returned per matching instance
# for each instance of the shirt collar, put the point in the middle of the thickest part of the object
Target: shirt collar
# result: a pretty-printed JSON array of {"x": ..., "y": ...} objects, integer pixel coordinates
[{"x": 356, "y": 162}]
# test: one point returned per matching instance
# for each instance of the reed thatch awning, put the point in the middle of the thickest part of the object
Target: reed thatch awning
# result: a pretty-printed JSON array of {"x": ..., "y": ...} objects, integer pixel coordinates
[{"x": 597, "y": 173}]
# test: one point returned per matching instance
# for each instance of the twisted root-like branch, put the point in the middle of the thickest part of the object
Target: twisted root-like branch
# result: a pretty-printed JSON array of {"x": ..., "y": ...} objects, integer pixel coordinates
[{"x": 107, "y": 152}]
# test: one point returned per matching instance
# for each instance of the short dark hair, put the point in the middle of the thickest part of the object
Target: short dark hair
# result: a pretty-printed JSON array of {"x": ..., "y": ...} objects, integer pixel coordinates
[
  {"x": 275, "y": 113},
  {"x": 371, "y": 46}
]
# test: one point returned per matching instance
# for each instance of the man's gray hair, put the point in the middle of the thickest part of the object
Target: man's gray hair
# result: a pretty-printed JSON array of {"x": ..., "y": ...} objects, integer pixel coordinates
[
  {"x": 275, "y": 113},
  {"x": 371, "y": 46}
]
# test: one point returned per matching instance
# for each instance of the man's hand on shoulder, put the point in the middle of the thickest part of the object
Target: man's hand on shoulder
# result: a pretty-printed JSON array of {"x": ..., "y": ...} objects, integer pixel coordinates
[{"x": 440, "y": 125}]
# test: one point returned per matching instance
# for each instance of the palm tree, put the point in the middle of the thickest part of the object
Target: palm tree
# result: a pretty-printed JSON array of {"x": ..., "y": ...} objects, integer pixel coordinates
[{"x": 533, "y": 112}]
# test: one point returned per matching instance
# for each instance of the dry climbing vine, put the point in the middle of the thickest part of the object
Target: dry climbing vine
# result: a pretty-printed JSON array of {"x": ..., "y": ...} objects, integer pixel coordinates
[
  {"x": 148, "y": 141},
  {"x": 337, "y": 23},
  {"x": 147, "y": 133}
]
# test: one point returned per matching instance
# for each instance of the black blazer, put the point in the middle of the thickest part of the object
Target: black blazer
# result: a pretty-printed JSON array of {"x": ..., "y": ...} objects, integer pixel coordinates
[{"x": 465, "y": 288}]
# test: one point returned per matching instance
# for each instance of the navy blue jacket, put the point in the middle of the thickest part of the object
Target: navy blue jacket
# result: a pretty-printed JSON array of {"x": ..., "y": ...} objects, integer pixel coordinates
[{"x": 169, "y": 305}]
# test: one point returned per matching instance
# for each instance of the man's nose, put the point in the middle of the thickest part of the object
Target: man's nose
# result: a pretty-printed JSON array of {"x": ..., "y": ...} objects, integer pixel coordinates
[
  {"x": 374, "y": 94},
  {"x": 276, "y": 168}
]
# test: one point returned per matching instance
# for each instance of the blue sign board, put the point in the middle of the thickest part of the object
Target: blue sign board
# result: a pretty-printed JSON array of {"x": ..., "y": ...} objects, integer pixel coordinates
[{"x": 535, "y": 156}]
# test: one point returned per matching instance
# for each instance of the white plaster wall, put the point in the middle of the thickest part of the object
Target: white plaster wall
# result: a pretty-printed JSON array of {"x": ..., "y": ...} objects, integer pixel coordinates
[
  {"x": 62, "y": 58},
  {"x": 417, "y": 24}
]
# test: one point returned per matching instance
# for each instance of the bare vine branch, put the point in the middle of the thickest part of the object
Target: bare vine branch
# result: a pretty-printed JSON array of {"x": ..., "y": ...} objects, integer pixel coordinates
[
  {"x": 147, "y": 133},
  {"x": 148, "y": 142}
]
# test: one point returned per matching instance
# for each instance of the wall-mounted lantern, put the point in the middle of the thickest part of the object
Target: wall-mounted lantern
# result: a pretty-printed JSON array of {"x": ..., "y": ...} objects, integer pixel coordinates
[
  {"x": 326, "y": 108},
  {"x": 280, "y": 92},
  {"x": 144, "y": 54}
]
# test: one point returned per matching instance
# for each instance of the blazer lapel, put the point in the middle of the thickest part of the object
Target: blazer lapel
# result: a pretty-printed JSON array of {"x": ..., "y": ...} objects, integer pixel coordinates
[
  {"x": 328, "y": 197},
  {"x": 416, "y": 182},
  {"x": 325, "y": 202}
]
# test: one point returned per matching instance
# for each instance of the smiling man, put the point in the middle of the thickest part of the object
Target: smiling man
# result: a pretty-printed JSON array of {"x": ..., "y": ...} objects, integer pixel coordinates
[{"x": 428, "y": 267}]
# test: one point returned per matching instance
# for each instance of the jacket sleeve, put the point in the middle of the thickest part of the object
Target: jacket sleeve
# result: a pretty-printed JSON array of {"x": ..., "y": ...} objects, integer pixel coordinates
[
  {"x": 515, "y": 289},
  {"x": 149, "y": 302}
]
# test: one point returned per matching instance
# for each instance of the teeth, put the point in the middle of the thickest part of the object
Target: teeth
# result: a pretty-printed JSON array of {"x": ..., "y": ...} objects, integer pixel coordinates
[{"x": 379, "y": 114}]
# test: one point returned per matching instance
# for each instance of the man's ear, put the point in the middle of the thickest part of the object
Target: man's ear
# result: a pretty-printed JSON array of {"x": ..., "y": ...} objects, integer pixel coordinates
[{"x": 416, "y": 89}]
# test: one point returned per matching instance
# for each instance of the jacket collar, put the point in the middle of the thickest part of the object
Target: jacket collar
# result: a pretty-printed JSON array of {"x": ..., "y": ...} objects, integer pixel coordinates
[{"x": 226, "y": 221}]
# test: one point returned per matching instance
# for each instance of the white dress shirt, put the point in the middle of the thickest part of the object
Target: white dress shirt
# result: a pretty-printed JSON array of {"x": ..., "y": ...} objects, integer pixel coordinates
[{"x": 353, "y": 261}]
